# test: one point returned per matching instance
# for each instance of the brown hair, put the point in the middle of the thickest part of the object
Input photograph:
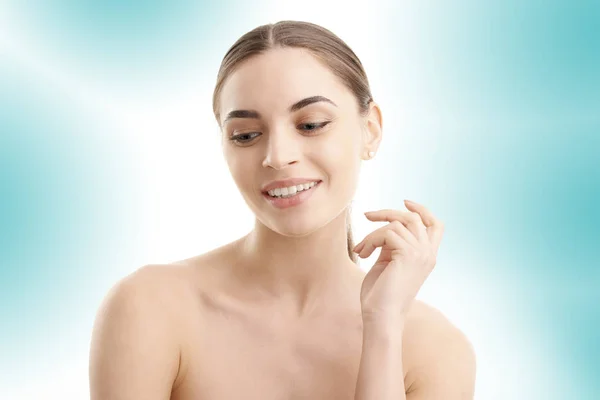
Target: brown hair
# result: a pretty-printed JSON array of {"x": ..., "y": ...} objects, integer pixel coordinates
[{"x": 321, "y": 43}]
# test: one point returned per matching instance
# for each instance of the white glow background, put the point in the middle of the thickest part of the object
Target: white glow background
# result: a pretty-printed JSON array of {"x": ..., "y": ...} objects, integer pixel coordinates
[{"x": 110, "y": 159}]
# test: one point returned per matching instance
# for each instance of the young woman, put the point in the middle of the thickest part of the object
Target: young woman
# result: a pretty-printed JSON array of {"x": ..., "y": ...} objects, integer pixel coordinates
[{"x": 284, "y": 312}]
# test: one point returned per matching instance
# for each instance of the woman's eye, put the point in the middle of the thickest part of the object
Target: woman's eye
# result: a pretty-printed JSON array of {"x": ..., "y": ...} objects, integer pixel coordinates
[
  {"x": 243, "y": 138},
  {"x": 313, "y": 126}
]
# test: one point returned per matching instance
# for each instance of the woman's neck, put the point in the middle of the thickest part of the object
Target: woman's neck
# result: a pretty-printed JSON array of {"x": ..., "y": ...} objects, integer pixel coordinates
[{"x": 300, "y": 272}]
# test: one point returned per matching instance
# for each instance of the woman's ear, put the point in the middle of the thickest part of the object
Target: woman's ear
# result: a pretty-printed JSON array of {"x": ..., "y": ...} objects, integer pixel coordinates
[{"x": 373, "y": 130}]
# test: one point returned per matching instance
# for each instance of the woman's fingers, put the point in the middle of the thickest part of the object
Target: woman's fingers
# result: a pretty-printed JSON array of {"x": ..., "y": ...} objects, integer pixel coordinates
[
  {"x": 416, "y": 228},
  {"x": 435, "y": 227},
  {"x": 408, "y": 255},
  {"x": 411, "y": 220},
  {"x": 383, "y": 236},
  {"x": 397, "y": 227},
  {"x": 400, "y": 238}
]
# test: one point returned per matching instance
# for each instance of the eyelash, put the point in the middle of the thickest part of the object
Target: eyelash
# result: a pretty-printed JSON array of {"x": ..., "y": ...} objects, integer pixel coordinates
[{"x": 318, "y": 126}]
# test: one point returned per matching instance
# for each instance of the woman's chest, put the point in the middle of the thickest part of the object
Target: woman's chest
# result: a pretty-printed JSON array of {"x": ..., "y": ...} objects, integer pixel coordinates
[{"x": 240, "y": 358}]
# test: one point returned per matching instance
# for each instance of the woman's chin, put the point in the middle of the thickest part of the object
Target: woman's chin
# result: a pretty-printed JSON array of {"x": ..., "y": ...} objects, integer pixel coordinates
[{"x": 295, "y": 229}]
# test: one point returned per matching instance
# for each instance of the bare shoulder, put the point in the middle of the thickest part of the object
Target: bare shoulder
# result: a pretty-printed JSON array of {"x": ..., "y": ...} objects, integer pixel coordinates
[
  {"x": 155, "y": 289},
  {"x": 159, "y": 284},
  {"x": 427, "y": 322},
  {"x": 141, "y": 339},
  {"x": 440, "y": 359},
  {"x": 166, "y": 289},
  {"x": 133, "y": 352}
]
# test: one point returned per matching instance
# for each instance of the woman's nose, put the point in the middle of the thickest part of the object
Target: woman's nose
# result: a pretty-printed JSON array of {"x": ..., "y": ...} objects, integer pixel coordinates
[{"x": 282, "y": 150}]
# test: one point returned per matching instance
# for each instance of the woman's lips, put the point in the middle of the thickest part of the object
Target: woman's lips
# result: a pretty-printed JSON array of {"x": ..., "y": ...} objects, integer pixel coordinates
[{"x": 298, "y": 198}]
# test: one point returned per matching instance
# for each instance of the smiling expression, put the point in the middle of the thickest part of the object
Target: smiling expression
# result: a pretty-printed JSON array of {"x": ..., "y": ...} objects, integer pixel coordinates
[{"x": 285, "y": 115}]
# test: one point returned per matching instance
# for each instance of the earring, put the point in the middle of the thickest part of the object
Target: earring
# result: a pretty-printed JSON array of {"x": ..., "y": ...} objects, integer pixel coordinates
[{"x": 371, "y": 154}]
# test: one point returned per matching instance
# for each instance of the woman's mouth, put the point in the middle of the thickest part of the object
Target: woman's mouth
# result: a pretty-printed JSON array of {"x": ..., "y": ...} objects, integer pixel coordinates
[{"x": 292, "y": 195}]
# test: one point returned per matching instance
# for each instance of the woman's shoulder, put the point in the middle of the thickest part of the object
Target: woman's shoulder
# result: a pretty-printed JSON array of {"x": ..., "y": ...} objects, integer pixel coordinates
[
  {"x": 422, "y": 317},
  {"x": 174, "y": 279},
  {"x": 134, "y": 348},
  {"x": 434, "y": 345},
  {"x": 150, "y": 292},
  {"x": 166, "y": 285},
  {"x": 427, "y": 329}
]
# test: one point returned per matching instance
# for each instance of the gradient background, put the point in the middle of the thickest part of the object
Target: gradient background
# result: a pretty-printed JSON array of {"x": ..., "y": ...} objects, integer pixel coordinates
[{"x": 110, "y": 160}]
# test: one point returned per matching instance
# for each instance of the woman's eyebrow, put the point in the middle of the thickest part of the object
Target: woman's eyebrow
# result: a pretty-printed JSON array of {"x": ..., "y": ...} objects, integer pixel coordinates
[
  {"x": 309, "y": 100},
  {"x": 241, "y": 114},
  {"x": 294, "y": 107}
]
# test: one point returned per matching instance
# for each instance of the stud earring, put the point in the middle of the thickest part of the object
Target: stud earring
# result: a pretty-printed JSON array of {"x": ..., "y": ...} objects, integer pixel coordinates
[{"x": 371, "y": 154}]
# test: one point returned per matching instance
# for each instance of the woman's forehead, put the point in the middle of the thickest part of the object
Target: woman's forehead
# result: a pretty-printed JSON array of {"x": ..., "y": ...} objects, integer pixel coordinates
[{"x": 280, "y": 77}]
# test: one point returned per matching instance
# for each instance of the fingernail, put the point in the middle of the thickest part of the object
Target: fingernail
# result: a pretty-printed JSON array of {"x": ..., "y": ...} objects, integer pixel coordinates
[{"x": 410, "y": 202}]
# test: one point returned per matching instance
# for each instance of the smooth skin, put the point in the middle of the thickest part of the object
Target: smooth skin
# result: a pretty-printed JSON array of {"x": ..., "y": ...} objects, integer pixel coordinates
[{"x": 283, "y": 313}]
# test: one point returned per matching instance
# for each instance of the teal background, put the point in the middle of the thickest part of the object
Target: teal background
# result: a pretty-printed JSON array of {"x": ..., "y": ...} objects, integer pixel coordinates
[{"x": 492, "y": 120}]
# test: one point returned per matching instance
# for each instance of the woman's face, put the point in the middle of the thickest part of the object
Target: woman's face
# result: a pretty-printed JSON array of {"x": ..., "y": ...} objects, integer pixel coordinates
[{"x": 284, "y": 115}]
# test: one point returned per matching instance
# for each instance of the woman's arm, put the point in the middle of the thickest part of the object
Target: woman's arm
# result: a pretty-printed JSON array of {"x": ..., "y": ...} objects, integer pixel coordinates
[
  {"x": 445, "y": 368},
  {"x": 133, "y": 351},
  {"x": 380, "y": 374},
  {"x": 441, "y": 363}
]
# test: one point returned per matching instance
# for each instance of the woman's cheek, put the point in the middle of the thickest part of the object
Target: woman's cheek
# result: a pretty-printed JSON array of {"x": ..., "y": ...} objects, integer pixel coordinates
[
  {"x": 238, "y": 167},
  {"x": 342, "y": 162},
  {"x": 339, "y": 147}
]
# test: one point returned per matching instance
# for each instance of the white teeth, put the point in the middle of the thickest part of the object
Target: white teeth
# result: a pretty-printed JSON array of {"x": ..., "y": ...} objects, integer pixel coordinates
[{"x": 292, "y": 190}]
